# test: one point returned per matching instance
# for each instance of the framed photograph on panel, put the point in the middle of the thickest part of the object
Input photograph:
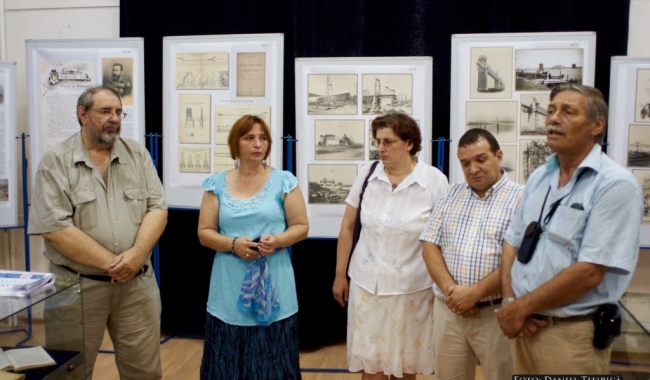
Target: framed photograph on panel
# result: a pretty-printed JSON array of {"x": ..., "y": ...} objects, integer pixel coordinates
[
  {"x": 336, "y": 101},
  {"x": 209, "y": 82},
  {"x": 58, "y": 71},
  {"x": 502, "y": 82},
  {"x": 8, "y": 155},
  {"x": 628, "y": 128}
]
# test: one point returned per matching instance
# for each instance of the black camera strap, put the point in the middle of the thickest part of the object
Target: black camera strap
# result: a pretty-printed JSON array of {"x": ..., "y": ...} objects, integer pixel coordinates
[{"x": 556, "y": 204}]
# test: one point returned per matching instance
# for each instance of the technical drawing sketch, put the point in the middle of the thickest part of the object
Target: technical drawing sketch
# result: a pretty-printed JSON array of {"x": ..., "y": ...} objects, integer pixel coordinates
[
  {"x": 638, "y": 151},
  {"x": 373, "y": 152},
  {"x": 543, "y": 69},
  {"x": 532, "y": 154},
  {"x": 499, "y": 118},
  {"x": 199, "y": 71},
  {"x": 509, "y": 161},
  {"x": 193, "y": 159},
  {"x": 643, "y": 176},
  {"x": 330, "y": 184},
  {"x": 642, "y": 109},
  {"x": 339, "y": 140},
  {"x": 332, "y": 94},
  {"x": 385, "y": 93},
  {"x": 490, "y": 73},
  {"x": 226, "y": 116},
  {"x": 251, "y": 74},
  {"x": 117, "y": 73},
  {"x": 221, "y": 160},
  {"x": 532, "y": 118},
  {"x": 4, "y": 189},
  {"x": 194, "y": 118}
]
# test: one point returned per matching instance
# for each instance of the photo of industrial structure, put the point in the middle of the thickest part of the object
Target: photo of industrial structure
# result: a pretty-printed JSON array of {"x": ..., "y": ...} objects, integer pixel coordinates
[
  {"x": 385, "y": 93},
  {"x": 330, "y": 184},
  {"x": 638, "y": 151},
  {"x": 490, "y": 72},
  {"x": 533, "y": 154},
  {"x": 339, "y": 139},
  {"x": 642, "y": 108},
  {"x": 509, "y": 161},
  {"x": 643, "y": 176},
  {"x": 334, "y": 94},
  {"x": 543, "y": 69},
  {"x": 532, "y": 120},
  {"x": 500, "y": 118}
]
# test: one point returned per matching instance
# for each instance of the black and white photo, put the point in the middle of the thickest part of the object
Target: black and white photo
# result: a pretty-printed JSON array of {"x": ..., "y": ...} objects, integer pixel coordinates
[
  {"x": 532, "y": 118},
  {"x": 330, "y": 184},
  {"x": 117, "y": 73},
  {"x": 509, "y": 161},
  {"x": 499, "y": 118},
  {"x": 543, "y": 69},
  {"x": 638, "y": 151},
  {"x": 385, "y": 93},
  {"x": 332, "y": 94},
  {"x": 642, "y": 109},
  {"x": 643, "y": 176},
  {"x": 532, "y": 154},
  {"x": 4, "y": 189},
  {"x": 339, "y": 139},
  {"x": 490, "y": 72}
]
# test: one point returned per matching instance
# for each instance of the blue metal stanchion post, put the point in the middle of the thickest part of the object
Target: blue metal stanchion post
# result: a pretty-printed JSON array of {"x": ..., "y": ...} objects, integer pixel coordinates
[{"x": 440, "y": 161}]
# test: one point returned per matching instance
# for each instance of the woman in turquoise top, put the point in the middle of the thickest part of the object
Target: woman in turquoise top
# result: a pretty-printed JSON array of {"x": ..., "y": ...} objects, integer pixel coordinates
[{"x": 251, "y": 323}]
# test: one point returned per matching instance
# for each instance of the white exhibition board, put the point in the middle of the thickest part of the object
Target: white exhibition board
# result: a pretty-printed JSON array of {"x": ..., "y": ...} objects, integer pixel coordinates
[
  {"x": 628, "y": 130},
  {"x": 8, "y": 155},
  {"x": 58, "y": 71},
  {"x": 208, "y": 83},
  {"x": 502, "y": 83},
  {"x": 336, "y": 100}
]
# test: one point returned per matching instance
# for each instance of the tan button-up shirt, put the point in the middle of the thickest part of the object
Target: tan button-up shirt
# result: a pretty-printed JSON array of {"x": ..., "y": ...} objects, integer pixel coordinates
[{"x": 69, "y": 191}]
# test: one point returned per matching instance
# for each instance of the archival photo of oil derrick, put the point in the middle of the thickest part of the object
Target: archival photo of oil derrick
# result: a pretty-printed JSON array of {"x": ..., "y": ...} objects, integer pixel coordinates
[
  {"x": 499, "y": 118},
  {"x": 194, "y": 118},
  {"x": 330, "y": 184},
  {"x": 532, "y": 119},
  {"x": 386, "y": 93},
  {"x": 339, "y": 140},
  {"x": 642, "y": 109},
  {"x": 532, "y": 154},
  {"x": 643, "y": 176},
  {"x": 638, "y": 151},
  {"x": 509, "y": 161},
  {"x": 543, "y": 69},
  {"x": 193, "y": 159},
  {"x": 490, "y": 73},
  {"x": 199, "y": 71},
  {"x": 332, "y": 94}
]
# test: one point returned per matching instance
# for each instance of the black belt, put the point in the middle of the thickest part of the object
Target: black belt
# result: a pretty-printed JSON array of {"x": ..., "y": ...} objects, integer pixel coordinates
[
  {"x": 98, "y": 277},
  {"x": 574, "y": 318},
  {"x": 490, "y": 303}
]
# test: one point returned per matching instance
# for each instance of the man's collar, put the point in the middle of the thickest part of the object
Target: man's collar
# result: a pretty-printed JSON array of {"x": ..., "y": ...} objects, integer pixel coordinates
[
  {"x": 593, "y": 160},
  {"x": 498, "y": 185},
  {"x": 80, "y": 153}
]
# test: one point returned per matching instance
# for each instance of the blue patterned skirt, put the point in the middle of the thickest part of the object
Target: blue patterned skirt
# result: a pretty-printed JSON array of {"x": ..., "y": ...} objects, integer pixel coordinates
[{"x": 250, "y": 352}]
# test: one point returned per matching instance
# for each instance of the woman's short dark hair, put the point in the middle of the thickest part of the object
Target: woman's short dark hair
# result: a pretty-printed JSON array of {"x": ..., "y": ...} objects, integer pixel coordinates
[
  {"x": 242, "y": 127},
  {"x": 403, "y": 126},
  {"x": 475, "y": 135}
]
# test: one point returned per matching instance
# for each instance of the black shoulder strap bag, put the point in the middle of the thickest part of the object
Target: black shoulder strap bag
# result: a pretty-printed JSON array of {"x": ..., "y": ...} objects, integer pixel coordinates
[{"x": 357, "y": 222}]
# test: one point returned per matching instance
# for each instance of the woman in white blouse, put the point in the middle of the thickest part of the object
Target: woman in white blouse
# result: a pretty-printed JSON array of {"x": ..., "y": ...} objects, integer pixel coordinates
[{"x": 390, "y": 311}]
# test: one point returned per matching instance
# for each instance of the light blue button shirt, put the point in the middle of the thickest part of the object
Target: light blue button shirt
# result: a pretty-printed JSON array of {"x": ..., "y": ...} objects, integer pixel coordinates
[{"x": 597, "y": 221}]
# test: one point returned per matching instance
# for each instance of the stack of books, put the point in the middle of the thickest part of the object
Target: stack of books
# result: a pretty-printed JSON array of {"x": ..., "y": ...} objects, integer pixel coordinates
[{"x": 19, "y": 284}]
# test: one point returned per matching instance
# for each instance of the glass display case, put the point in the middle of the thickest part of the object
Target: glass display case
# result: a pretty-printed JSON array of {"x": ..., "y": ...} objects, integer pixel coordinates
[
  {"x": 51, "y": 318},
  {"x": 631, "y": 350}
]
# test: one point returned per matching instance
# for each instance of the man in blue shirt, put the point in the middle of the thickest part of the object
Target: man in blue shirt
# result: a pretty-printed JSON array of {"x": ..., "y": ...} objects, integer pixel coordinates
[{"x": 589, "y": 210}]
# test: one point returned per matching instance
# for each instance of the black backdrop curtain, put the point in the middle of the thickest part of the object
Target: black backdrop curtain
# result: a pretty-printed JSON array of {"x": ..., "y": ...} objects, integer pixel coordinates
[{"x": 335, "y": 28}]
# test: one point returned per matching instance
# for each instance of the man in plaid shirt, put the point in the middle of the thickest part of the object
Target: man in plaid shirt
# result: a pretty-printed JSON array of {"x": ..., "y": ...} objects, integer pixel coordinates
[{"x": 462, "y": 250}]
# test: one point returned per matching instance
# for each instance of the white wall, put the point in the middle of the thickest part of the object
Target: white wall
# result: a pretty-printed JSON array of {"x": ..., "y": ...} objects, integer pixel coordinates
[{"x": 45, "y": 19}]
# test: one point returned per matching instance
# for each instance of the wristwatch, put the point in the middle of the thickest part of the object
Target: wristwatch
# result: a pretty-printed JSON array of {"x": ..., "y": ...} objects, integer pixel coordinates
[{"x": 508, "y": 300}]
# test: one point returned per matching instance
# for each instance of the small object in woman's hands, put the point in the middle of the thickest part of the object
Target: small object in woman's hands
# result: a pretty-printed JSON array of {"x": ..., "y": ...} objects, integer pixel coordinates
[{"x": 256, "y": 240}]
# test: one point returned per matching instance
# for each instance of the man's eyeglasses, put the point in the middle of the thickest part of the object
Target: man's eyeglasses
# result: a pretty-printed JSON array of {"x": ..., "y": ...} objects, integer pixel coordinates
[
  {"x": 387, "y": 142},
  {"x": 108, "y": 113}
]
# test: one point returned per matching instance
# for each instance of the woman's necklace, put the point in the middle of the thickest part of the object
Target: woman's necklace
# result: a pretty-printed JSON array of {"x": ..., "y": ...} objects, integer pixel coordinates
[{"x": 396, "y": 183}]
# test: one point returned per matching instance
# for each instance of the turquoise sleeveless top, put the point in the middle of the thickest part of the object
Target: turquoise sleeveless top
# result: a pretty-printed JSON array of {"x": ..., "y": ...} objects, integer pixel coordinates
[{"x": 261, "y": 214}]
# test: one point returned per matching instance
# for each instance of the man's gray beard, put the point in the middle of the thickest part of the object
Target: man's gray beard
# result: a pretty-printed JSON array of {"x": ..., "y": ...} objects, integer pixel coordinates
[{"x": 103, "y": 139}]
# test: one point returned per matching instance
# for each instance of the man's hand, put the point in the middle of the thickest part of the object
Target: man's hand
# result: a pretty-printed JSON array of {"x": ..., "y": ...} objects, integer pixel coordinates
[
  {"x": 126, "y": 265},
  {"x": 510, "y": 320},
  {"x": 461, "y": 298},
  {"x": 473, "y": 312},
  {"x": 531, "y": 325}
]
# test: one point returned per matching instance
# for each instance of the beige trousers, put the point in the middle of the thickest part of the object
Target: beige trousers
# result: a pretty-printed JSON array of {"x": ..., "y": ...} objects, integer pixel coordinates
[
  {"x": 462, "y": 342},
  {"x": 131, "y": 313},
  {"x": 560, "y": 348}
]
